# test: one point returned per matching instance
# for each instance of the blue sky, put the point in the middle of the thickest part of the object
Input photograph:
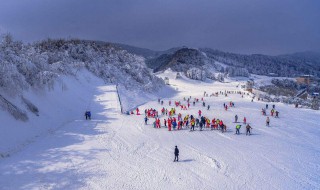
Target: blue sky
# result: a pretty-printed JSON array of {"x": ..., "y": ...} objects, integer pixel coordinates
[{"x": 241, "y": 26}]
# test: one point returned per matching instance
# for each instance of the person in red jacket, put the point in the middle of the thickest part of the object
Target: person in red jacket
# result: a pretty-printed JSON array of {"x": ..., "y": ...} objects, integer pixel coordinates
[
  {"x": 221, "y": 125},
  {"x": 213, "y": 122},
  {"x": 169, "y": 124},
  {"x": 179, "y": 125},
  {"x": 162, "y": 111},
  {"x": 137, "y": 111},
  {"x": 245, "y": 120},
  {"x": 199, "y": 112},
  {"x": 158, "y": 123}
]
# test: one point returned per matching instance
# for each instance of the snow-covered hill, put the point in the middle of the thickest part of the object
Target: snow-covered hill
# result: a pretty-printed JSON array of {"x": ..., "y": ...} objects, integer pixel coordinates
[
  {"x": 118, "y": 151},
  {"x": 37, "y": 79},
  {"x": 37, "y": 67}
]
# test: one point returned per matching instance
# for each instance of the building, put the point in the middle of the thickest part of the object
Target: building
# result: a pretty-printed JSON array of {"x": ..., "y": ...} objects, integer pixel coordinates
[
  {"x": 273, "y": 75},
  {"x": 305, "y": 79}
]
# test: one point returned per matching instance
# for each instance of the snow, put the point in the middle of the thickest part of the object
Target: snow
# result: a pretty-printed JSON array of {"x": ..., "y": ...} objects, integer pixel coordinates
[{"x": 117, "y": 151}]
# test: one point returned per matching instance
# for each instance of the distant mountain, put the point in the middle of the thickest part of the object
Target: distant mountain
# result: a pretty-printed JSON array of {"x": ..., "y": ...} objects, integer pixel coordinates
[
  {"x": 307, "y": 56},
  {"x": 283, "y": 65},
  {"x": 179, "y": 60},
  {"x": 233, "y": 64},
  {"x": 144, "y": 52},
  {"x": 230, "y": 64}
]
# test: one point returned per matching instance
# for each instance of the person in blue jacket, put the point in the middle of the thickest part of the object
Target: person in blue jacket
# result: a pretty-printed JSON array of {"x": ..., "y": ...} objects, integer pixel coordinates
[{"x": 88, "y": 115}]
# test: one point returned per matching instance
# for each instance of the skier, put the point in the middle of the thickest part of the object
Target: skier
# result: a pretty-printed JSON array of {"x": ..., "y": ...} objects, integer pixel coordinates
[
  {"x": 199, "y": 112},
  {"x": 272, "y": 111},
  {"x": 277, "y": 114},
  {"x": 213, "y": 122},
  {"x": 238, "y": 129},
  {"x": 208, "y": 107},
  {"x": 158, "y": 123},
  {"x": 137, "y": 111},
  {"x": 245, "y": 120},
  {"x": 162, "y": 111},
  {"x": 174, "y": 124},
  {"x": 192, "y": 124},
  {"x": 224, "y": 128},
  {"x": 165, "y": 123},
  {"x": 201, "y": 125},
  {"x": 273, "y": 106},
  {"x": 169, "y": 124},
  {"x": 197, "y": 122},
  {"x": 221, "y": 125},
  {"x": 248, "y": 127},
  {"x": 146, "y": 120},
  {"x": 176, "y": 154},
  {"x": 267, "y": 121},
  {"x": 236, "y": 118},
  {"x": 267, "y": 106},
  {"x": 203, "y": 104},
  {"x": 88, "y": 115}
]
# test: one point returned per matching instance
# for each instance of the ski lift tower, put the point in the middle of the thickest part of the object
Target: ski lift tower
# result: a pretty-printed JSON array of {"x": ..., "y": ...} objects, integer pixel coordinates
[
  {"x": 178, "y": 76},
  {"x": 249, "y": 85},
  {"x": 315, "y": 102},
  {"x": 166, "y": 80}
]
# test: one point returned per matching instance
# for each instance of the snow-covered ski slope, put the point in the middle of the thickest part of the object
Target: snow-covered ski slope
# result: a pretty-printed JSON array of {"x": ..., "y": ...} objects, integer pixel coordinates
[{"x": 116, "y": 151}]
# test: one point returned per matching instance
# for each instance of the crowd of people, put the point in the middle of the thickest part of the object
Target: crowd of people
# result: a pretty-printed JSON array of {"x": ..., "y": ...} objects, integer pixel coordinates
[{"x": 173, "y": 120}]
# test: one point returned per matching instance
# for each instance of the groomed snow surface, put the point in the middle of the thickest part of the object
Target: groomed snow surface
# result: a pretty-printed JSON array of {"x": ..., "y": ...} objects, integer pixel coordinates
[{"x": 117, "y": 151}]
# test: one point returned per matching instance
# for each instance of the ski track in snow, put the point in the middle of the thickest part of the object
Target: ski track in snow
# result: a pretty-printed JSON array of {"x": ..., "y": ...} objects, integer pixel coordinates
[{"x": 116, "y": 151}]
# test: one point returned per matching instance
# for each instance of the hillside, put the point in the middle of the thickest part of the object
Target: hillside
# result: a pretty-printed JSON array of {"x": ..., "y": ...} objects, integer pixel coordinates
[
  {"x": 40, "y": 65},
  {"x": 117, "y": 151},
  {"x": 39, "y": 81}
]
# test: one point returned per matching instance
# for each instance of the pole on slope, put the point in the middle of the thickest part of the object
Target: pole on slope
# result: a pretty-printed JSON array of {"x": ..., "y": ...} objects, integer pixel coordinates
[{"x": 119, "y": 99}]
